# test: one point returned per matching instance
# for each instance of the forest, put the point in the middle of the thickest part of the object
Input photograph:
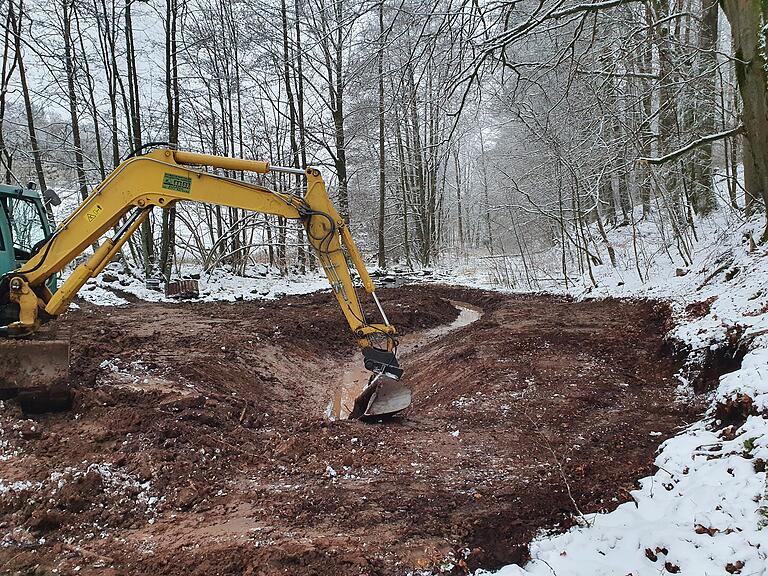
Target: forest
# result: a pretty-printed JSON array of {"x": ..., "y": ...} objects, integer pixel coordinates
[{"x": 514, "y": 134}]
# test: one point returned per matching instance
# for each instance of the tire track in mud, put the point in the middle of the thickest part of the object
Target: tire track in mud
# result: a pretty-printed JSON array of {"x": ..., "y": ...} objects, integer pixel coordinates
[{"x": 197, "y": 445}]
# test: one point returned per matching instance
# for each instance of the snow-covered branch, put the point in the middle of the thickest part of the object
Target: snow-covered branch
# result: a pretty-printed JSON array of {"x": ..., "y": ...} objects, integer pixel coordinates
[{"x": 693, "y": 145}]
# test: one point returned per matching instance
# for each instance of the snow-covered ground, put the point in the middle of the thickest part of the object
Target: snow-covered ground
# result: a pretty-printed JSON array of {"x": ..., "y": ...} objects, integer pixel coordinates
[
  {"x": 705, "y": 511},
  {"x": 219, "y": 285}
]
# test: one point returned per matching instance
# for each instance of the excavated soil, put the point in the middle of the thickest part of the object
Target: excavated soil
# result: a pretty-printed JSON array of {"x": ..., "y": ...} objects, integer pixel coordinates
[{"x": 197, "y": 442}]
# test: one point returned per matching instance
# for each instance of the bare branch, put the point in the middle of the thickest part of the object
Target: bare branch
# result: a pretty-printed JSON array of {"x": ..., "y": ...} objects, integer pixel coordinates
[{"x": 692, "y": 146}]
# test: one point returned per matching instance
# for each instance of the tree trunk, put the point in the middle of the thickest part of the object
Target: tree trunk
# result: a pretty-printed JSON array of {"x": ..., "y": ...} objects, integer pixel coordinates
[
  {"x": 382, "y": 157},
  {"x": 299, "y": 76},
  {"x": 488, "y": 231},
  {"x": 90, "y": 85},
  {"x": 292, "y": 122},
  {"x": 6, "y": 72},
  {"x": 668, "y": 120},
  {"x": 36, "y": 154},
  {"x": 646, "y": 106},
  {"x": 168, "y": 233},
  {"x": 134, "y": 123},
  {"x": 68, "y": 7},
  {"x": 746, "y": 18},
  {"x": 703, "y": 198},
  {"x": 459, "y": 210}
]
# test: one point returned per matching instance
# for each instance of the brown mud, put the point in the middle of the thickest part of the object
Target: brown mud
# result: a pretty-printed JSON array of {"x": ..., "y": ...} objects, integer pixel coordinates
[{"x": 197, "y": 443}]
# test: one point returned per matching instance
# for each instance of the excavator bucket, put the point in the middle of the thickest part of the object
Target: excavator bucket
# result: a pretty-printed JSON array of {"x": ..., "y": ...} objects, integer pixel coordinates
[
  {"x": 382, "y": 397},
  {"x": 36, "y": 373}
]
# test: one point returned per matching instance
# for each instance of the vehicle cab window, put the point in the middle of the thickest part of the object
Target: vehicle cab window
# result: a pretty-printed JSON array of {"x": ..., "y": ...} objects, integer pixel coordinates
[{"x": 27, "y": 224}]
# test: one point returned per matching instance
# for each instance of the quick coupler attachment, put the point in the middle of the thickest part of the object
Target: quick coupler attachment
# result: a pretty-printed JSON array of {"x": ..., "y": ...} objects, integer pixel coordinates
[{"x": 381, "y": 361}]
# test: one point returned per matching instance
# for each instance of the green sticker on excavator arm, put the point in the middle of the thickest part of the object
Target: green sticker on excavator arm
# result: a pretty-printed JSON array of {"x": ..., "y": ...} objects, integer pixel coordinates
[{"x": 177, "y": 183}]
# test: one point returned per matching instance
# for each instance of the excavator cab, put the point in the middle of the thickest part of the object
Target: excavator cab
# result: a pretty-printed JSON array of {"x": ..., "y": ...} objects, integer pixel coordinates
[
  {"x": 30, "y": 371},
  {"x": 23, "y": 225}
]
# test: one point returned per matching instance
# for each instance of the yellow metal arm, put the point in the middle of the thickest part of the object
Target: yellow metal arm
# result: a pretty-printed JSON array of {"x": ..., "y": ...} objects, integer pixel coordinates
[{"x": 162, "y": 178}]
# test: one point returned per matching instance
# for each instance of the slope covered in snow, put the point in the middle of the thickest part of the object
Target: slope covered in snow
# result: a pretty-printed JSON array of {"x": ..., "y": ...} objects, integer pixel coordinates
[{"x": 705, "y": 510}]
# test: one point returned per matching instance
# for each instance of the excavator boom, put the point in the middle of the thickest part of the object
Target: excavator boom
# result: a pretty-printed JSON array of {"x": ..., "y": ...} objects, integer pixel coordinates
[{"x": 162, "y": 178}]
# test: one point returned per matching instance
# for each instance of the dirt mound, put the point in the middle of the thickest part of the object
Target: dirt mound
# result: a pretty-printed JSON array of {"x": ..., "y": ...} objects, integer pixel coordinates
[{"x": 197, "y": 443}]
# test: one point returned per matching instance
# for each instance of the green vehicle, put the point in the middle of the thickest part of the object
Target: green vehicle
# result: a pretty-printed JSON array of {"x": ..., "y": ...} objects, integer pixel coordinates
[{"x": 23, "y": 225}]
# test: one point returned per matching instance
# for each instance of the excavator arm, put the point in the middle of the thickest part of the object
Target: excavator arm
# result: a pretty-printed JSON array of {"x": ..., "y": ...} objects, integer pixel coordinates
[{"x": 164, "y": 177}]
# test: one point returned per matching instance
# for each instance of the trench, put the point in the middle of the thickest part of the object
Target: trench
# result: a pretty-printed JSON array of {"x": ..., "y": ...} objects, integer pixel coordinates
[{"x": 354, "y": 376}]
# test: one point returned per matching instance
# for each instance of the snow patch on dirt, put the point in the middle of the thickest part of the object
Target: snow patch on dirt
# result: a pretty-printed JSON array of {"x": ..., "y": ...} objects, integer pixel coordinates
[
  {"x": 96, "y": 294},
  {"x": 18, "y": 486},
  {"x": 72, "y": 490}
]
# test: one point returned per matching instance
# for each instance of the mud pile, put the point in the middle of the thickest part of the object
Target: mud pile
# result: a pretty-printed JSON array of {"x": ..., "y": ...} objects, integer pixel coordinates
[{"x": 198, "y": 445}]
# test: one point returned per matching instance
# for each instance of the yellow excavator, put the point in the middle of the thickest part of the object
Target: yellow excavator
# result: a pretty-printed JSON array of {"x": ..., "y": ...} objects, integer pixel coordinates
[{"x": 36, "y": 369}]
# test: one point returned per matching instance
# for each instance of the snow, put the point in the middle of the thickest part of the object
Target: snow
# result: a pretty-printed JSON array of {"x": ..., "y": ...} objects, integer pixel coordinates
[
  {"x": 705, "y": 510},
  {"x": 97, "y": 295},
  {"x": 18, "y": 486},
  {"x": 702, "y": 507},
  {"x": 751, "y": 379},
  {"x": 218, "y": 285}
]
